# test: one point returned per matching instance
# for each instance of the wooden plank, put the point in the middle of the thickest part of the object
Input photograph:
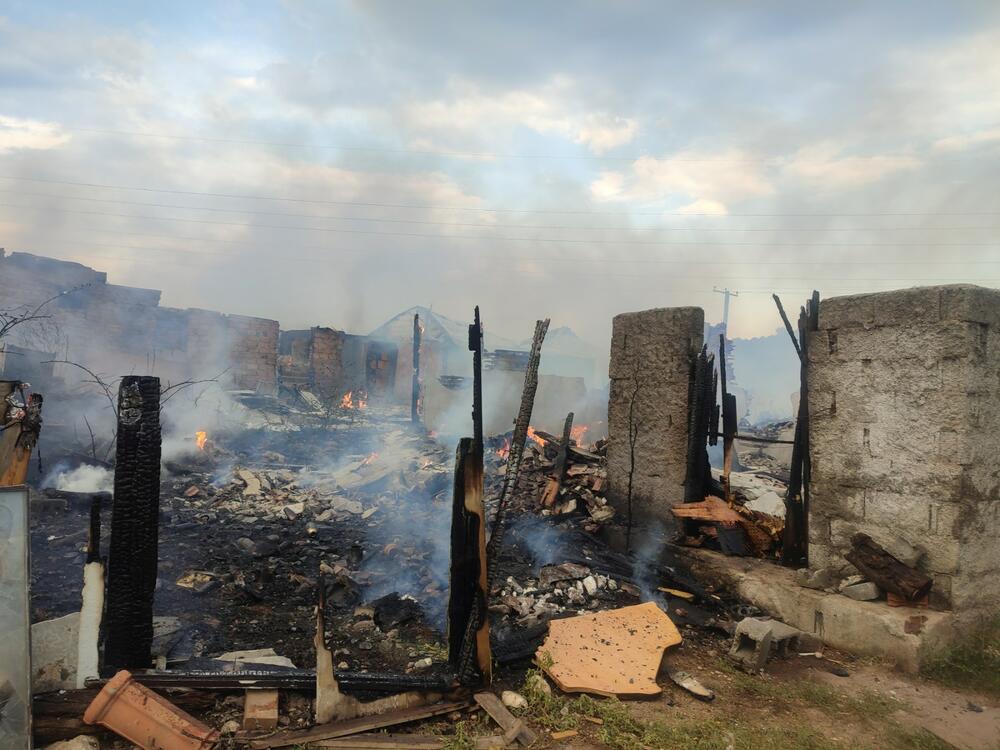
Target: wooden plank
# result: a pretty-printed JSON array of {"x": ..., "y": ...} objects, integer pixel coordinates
[
  {"x": 507, "y": 721},
  {"x": 356, "y": 726},
  {"x": 709, "y": 509}
]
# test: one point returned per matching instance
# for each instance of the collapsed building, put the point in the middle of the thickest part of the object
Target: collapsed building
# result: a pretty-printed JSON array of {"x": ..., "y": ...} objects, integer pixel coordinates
[{"x": 317, "y": 529}]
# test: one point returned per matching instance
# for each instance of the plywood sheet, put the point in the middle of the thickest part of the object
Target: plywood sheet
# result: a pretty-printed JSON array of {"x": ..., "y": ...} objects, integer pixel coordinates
[{"x": 616, "y": 652}]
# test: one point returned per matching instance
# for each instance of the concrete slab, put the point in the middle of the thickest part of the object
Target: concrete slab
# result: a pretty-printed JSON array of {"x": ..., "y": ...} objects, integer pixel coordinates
[{"x": 900, "y": 634}]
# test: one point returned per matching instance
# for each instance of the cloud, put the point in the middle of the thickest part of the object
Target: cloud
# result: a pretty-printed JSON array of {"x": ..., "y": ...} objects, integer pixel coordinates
[
  {"x": 17, "y": 133},
  {"x": 702, "y": 207},
  {"x": 709, "y": 178},
  {"x": 822, "y": 165},
  {"x": 963, "y": 141},
  {"x": 547, "y": 110},
  {"x": 603, "y": 132}
]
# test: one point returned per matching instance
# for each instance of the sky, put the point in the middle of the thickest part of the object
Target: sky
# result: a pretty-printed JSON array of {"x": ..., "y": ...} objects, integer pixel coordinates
[{"x": 333, "y": 164}]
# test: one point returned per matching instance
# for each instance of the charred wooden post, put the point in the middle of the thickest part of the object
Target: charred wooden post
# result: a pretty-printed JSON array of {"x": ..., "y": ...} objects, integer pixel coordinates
[
  {"x": 795, "y": 538},
  {"x": 476, "y": 347},
  {"x": 521, "y": 424},
  {"x": 468, "y": 624},
  {"x": 886, "y": 571},
  {"x": 21, "y": 423},
  {"x": 701, "y": 400},
  {"x": 92, "y": 597},
  {"x": 558, "y": 472},
  {"x": 728, "y": 422},
  {"x": 415, "y": 390},
  {"x": 134, "y": 525}
]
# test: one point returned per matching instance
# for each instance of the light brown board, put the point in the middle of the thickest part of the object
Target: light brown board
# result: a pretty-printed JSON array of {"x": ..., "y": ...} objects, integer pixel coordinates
[{"x": 616, "y": 652}]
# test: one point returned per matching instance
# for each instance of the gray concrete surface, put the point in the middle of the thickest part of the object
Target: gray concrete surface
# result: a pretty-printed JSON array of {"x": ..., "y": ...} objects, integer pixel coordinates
[{"x": 651, "y": 354}]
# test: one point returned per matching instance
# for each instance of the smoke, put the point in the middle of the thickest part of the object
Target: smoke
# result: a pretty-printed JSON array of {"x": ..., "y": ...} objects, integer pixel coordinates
[{"x": 83, "y": 478}]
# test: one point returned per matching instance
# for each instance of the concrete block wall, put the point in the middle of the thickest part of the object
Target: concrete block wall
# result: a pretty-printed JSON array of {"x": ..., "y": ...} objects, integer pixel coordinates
[
  {"x": 652, "y": 349},
  {"x": 904, "y": 397}
]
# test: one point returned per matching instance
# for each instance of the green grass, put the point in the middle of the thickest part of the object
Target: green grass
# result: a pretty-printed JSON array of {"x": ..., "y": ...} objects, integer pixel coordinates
[
  {"x": 973, "y": 663},
  {"x": 791, "y": 730}
]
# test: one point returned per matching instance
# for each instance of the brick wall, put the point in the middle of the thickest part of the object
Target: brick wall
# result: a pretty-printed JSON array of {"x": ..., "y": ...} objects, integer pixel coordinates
[{"x": 904, "y": 397}]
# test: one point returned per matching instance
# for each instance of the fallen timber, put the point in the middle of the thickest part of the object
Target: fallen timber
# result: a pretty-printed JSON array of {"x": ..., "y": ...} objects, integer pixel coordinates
[
  {"x": 303, "y": 680},
  {"x": 354, "y": 726}
]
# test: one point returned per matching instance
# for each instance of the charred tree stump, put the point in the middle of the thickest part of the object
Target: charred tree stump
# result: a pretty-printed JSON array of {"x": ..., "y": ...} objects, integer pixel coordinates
[
  {"x": 134, "y": 526},
  {"x": 885, "y": 571}
]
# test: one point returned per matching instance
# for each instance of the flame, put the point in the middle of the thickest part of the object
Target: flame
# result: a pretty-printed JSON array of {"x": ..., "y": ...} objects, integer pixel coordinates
[
  {"x": 369, "y": 458},
  {"x": 200, "y": 438},
  {"x": 504, "y": 451},
  {"x": 534, "y": 436},
  {"x": 350, "y": 402},
  {"x": 577, "y": 432}
]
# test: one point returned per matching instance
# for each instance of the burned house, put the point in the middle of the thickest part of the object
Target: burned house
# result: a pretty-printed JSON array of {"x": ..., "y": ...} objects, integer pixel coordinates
[
  {"x": 332, "y": 363},
  {"x": 902, "y": 393}
]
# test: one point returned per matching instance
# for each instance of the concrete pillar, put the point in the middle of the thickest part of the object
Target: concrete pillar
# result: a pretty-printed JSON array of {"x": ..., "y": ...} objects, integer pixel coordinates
[
  {"x": 651, "y": 355},
  {"x": 904, "y": 400}
]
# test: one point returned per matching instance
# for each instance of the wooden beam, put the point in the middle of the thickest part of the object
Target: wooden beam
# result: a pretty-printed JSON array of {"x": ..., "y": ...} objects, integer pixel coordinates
[
  {"x": 355, "y": 726},
  {"x": 507, "y": 721}
]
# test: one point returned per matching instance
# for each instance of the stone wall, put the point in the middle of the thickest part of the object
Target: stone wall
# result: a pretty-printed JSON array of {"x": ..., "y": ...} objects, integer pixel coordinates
[
  {"x": 651, "y": 355},
  {"x": 904, "y": 396}
]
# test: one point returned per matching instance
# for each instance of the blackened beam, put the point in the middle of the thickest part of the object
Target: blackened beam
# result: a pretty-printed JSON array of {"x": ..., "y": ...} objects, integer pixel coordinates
[
  {"x": 476, "y": 347},
  {"x": 134, "y": 526},
  {"x": 513, "y": 471},
  {"x": 303, "y": 680},
  {"x": 754, "y": 439}
]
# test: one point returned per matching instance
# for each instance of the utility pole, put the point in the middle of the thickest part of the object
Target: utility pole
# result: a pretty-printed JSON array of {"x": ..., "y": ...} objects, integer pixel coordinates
[{"x": 725, "y": 306}]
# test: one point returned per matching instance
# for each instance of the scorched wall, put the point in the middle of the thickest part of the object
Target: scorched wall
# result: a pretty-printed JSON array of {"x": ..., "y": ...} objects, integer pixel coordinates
[{"x": 904, "y": 397}]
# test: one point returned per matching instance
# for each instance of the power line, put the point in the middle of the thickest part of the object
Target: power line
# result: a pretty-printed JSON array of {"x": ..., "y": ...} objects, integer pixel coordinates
[
  {"x": 522, "y": 272},
  {"x": 424, "y": 206},
  {"x": 554, "y": 240},
  {"x": 254, "y": 212},
  {"x": 777, "y": 160}
]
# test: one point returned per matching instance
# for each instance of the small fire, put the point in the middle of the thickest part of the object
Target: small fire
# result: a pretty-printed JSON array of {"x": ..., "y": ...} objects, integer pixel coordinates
[
  {"x": 504, "y": 450},
  {"x": 349, "y": 401},
  {"x": 577, "y": 432},
  {"x": 534, "y": 436},
  {"x": 369, "y": 458},
  {"x": 200, "y": 438}
]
